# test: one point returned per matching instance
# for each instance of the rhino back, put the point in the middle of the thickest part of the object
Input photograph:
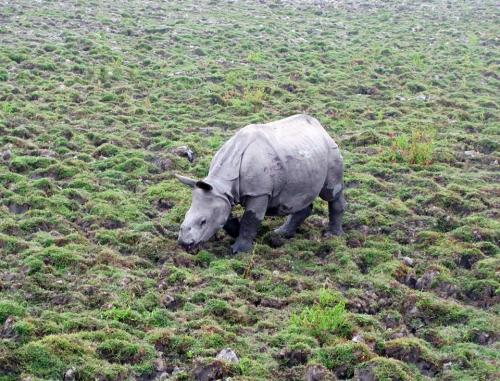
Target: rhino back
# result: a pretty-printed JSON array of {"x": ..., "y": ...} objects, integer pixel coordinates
[{"x": 288, "y": 160}]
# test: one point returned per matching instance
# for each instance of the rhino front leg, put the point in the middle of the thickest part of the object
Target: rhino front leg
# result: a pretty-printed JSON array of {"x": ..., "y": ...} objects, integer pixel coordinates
[
  {"x": 255, "y": 210},
  {"x": 293, "y": 222},
  {"x": 232, "y": 226},
  {"x": 336, "y": 211}
]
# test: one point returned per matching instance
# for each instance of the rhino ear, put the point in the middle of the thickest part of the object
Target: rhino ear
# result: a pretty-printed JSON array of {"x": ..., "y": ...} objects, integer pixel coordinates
[
  {"x": 203, "y": 185},
  {"x": 186, "y": 180}
]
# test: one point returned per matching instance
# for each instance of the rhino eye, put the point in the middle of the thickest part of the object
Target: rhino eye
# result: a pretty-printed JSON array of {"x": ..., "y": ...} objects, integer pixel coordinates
[{"x": 203, "y": 222}]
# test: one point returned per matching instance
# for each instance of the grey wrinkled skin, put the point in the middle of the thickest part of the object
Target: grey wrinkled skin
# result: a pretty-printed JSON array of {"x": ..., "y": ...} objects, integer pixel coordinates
[{"x": 278, "y": 169}]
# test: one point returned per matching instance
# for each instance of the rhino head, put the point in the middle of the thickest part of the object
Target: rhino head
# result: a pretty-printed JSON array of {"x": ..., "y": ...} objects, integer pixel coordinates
[{"x": 208, "y": 213}]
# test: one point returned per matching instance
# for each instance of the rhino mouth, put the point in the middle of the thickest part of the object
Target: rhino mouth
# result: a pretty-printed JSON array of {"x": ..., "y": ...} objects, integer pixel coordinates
[
  {"x": 191, "y": 247},
  {"x": 194, "y": 247}
]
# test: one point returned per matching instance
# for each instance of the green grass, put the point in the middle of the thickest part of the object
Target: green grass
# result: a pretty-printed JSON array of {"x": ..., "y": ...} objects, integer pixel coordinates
[
  {"x": 323, "y": 319},
  {"x": 93, "y": 109}
]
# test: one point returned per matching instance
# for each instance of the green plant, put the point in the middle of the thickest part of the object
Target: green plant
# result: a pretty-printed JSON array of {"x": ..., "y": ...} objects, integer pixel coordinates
[
  {"x": 416, "y": 149},
  {"x": 10, "y": 308},
  {"x": 322, "y": 320}
]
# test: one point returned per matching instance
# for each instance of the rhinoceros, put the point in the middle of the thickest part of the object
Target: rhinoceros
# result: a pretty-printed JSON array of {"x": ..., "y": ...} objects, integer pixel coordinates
[{"x": 274, "y": 169}]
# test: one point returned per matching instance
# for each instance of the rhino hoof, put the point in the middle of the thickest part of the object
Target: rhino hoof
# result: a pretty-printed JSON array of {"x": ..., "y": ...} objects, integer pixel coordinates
[{"x": 241, "y": 246}]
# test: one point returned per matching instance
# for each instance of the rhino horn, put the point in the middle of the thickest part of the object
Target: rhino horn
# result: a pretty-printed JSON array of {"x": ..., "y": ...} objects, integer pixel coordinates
[{"x": 186, "y": 180}]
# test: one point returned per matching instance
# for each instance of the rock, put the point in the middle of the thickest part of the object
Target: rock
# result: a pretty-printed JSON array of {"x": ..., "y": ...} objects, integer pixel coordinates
[
  {"x": 160, "y": 364},
  {"x": 171, "y": 302},
  {"x": 293, "y": 357},
  {"x": 18, "y": 208},
  {"x": 447, "y": 290},
  {"x": 403, "y": 332},
  {"x": 163, "y": 164},
  {"x": 274, "y": 240},
  {"x": 209, "y": 131},
  {"x": 273, "y": 303},
  {"x": 164, "y": 204},
  {"x": 162, "y": 377},
  {"x": 364, "y": 138},
  {"x": 318, "y": 373},
  {"x": 199, "y": 52},
  {"x": 471, "y": 154},
  {"x": 408, "y": 261},
  {"x": 366, "y": 374},
  {"x": 410, "y": 352},
  {"x": 228, "y": 355},
  {"x": 211, "y": 372},
  {"x": 70, "y": 374},
  {"x": 425, "y": 282},
  {"x": 177, "y": 370},
  {"x": 185, "y": 151},
  {"x": 6, "y": 155},
  {"x": 7, "y": 330},
  {"x": 184, "y": 260},
  {"x": 468, "y": 259},
  {"x": 483, "y": 338},
  {"x": 45, "y": 153},
  {"x": 358, "y": 338}
]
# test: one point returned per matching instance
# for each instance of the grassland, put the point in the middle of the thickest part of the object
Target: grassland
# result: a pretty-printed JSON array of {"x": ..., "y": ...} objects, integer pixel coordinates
[{"x": 97, "y": 101}]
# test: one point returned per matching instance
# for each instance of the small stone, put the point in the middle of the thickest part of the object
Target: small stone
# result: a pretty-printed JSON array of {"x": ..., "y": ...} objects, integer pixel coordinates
[
  {"x": 358, "y": 339},
  {"x": 293, "y": 357},
  {"x": 186, "y": 152},
  {"x": 70, "y": 374},
  {"x": 8, "y": 331},
  {"x": 6, "y": 155},
  {"x": 168, "y": 301},
  {"x": 160, "y": 364},
  {"x": 199, "y": 52},
  {"x": 228, "y": 355},
  {"x": 427, "y": 279},
  {"x": 176, "y": 370},
  {"x": 318, "y": 373},
  {"x": 162, "y": 377},
  {"x": 471, "y": 154},
  {"x": 163, "y": 164},
  {"x": 413, "y": 311},
  {"x": 408, "y": 261},
  {"x": 210, "y": 372},
  {"x": 483, "y": 338},
  {"x": 46, "y": 153}
]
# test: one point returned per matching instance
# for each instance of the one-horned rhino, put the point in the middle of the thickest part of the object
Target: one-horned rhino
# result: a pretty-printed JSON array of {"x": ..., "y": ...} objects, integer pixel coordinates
[{"x": 274, "y": 169}]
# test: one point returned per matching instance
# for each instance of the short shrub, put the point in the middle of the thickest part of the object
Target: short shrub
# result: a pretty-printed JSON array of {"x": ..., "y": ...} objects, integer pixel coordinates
[
  {"x": 322, "y": 321},
  {"x": 416, "y": 149},
  {"x": 8, "y": 308}
]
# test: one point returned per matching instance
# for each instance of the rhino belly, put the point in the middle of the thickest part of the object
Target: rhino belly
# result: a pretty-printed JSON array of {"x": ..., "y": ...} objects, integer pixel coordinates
[{"x": 305, "y": 177}]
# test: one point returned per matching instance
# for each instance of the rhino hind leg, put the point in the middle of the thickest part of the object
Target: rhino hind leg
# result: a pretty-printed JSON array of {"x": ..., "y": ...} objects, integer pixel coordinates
[
  {"x": 336, "y": 209},
  {"x": 293, "y": 222}
]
